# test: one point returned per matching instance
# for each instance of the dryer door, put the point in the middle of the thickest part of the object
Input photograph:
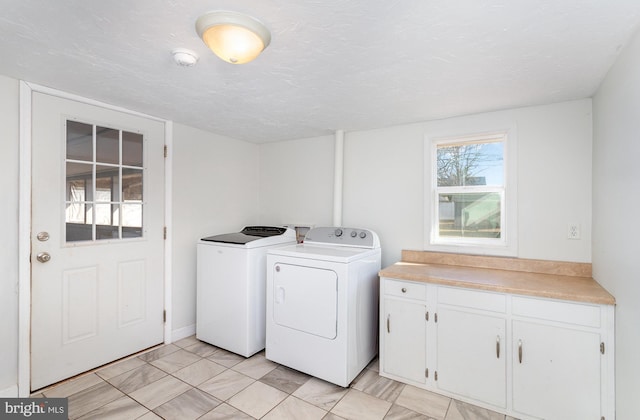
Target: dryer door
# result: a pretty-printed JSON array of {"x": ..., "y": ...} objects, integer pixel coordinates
[{"x": 306, "y": 299}]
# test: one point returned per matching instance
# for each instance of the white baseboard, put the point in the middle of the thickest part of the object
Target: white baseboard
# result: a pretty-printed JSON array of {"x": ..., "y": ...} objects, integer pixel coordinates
[
  {"x": 183, "y": 332},
  {"x": 11, "y": 392}
]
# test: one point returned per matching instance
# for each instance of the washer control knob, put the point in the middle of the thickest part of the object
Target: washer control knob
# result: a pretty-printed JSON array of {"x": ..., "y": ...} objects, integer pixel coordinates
[
  {"x": 338, "y": 232},
  {"x": 363, "y": 235},
  {"x": 354, "y": 234}
]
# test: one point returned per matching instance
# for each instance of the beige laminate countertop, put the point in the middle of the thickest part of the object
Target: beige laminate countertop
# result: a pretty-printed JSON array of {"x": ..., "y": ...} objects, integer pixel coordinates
[{"x": 549, "y": 285}]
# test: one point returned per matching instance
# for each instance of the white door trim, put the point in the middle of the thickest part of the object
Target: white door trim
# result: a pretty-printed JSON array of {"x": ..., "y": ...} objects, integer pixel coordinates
[{"x": 24, "y": 223}]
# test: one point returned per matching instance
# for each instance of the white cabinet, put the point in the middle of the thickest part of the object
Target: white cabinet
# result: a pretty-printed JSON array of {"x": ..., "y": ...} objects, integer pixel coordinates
[
  {"x": 557, "y": 360},
  {"x": 403, "y": 327},
  {"x": 528, "y": 357},
  {"x": 471, "y": 359},
  {"x": 405, "y": 338}
]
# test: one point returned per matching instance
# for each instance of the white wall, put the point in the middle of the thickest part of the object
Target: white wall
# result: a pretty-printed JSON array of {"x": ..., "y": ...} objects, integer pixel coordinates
[
  {"x": 616, "y": 205},
  {"x": 384, "y": 189},
  {"x": 296, "y": 182},
  {"x": 384, "y": 174},
  {"x": 9, "y": 156},
  {"x": 215, "y": 190}
]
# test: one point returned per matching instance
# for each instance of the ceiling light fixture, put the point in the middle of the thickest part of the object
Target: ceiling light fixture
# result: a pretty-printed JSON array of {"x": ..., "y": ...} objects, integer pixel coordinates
[{"x": 232, "y": 36}]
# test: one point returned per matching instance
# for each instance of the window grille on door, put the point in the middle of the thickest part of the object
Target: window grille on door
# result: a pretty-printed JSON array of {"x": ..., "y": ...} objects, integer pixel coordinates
[{"x": 104, "y": 183}]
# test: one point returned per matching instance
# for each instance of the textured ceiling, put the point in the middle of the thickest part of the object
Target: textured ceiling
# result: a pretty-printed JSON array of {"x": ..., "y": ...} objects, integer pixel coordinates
[{"x": 332, "y": 64}]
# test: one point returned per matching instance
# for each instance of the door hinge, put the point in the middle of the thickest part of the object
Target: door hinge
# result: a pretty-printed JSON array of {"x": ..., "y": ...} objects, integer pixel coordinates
[
  {"x": 426, "y": 373},
  {"x": 602, "y": 347},
  {"x": 166, "y": 151},
  {"x": 426, "y": 316},
  {"x": 164, "y": 316},
  {"x": 435, "y": 317},
  {"x": 164, "y": 232},
  {"x": 435, "y": 375}
]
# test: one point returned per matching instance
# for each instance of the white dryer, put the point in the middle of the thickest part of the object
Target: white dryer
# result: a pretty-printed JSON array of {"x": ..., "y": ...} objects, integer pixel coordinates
[{"x": 322, "y": 303}]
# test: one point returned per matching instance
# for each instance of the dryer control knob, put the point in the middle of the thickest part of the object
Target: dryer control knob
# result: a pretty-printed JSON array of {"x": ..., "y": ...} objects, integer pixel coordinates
[
  {"x": 338, "y": 232},
  {"x": 363, "y": 235},
  {"x": 354, "y": 234}
]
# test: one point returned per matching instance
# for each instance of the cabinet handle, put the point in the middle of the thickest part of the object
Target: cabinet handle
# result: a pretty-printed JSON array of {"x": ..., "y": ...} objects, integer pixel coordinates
[
  {"x": 404, "y": 290},
  {"x": 498, "y": 346},
  {"x": 389, "y": 323},
  {"x": 520, "y": 351}
]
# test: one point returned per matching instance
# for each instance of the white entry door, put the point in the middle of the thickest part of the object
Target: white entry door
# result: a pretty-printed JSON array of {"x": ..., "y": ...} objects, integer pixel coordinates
[{"x": 96, "y": 236}]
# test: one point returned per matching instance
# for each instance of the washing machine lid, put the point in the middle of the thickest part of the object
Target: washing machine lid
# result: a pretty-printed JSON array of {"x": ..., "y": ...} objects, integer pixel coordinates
[
  {"x": 337, "y": 254},
  {"x": 255, "y": 236}
]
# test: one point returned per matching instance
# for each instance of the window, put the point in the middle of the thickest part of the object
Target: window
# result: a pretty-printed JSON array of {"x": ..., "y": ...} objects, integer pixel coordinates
[
  {"x": 104, "y": 177},
  {"x": 468, "y": 196}
]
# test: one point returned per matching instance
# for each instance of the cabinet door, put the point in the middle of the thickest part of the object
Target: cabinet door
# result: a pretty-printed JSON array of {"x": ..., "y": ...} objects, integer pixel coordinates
[
  {"x": 556, "y": 372},
  {"x": 404, "y": 339},
  {"x": 471, "y": 354}
]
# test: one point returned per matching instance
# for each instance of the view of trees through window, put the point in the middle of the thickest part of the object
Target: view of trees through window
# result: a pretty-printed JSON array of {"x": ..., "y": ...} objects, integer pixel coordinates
[{"x": 470, "y": 188}]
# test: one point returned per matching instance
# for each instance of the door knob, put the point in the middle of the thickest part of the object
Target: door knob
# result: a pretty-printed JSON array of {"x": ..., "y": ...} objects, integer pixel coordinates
[{"x": 43, "y": 257}]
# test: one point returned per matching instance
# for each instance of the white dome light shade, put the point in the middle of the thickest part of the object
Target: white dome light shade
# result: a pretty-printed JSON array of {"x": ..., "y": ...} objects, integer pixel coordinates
[{"x": 234, "y": 37}]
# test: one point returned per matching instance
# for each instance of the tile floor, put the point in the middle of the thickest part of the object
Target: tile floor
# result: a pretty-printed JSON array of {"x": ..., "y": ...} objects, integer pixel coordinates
[{"x": 194, "y": 380}]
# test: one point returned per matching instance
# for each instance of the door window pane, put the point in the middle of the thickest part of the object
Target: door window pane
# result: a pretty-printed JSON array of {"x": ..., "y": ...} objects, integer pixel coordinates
[
  {"x": 107, "y": 145},
  {"x": 79, "y": 141},
  {"x": 107, "y": 183},
  {"x": 131, "y": 149},
  {"x": 131, "y": 220},
  {"x": 132, "y": 185},
  {"x": 78, "y": 222}
]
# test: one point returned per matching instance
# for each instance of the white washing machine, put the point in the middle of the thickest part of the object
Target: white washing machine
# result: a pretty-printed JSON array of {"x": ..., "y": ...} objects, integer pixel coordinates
[
  {"x": 231, "y": 278},
  {"x": 322, "y": 303}
]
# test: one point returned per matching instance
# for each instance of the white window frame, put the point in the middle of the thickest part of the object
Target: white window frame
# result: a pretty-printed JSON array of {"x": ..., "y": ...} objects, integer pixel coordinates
[{"x": 506, "y": 245}]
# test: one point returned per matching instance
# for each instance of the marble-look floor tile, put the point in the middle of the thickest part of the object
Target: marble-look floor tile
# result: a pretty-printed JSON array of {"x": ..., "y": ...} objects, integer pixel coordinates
[
  {"x": 294, "y": 408},
  {"x": 320, "y": 393},
  {"x": 374, "y": 365},
  {"x": 257, "y": 399},
  {"x": 373, "y": 384},
  {"x": 159, "y": 392},
  {"x": 202, "y": 349},
  {"x": 285, "y": 379},
  {"x": 200, "y": 371},
  {"x": 159, "y": 352},
  {"x": 331, "y": 416},
  {"x": 72, "y": 386},
  {"x": 150, "y": 416},
  {"x": 400, "y": 413},
  {"x": 92, "y": 398},
  {"x": 226, "y": 384},
  {"x": 188, "y": 406},
  {"x": 357, "y": 405},
  {"x": 120, "y": 367},
  {"x": 186, "y": 342},
  {"x": 256, "y": 366},
  {"x": 175, "y": 361},
  {"x": 225, "y": 412},
  {"x": 225, "y": 358},
  {"x": 122, "y": 408},
  {"x": 425, "y": 402},
  {"x": 459, "y": 410},
  {"x": 137, "y": 378}
]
